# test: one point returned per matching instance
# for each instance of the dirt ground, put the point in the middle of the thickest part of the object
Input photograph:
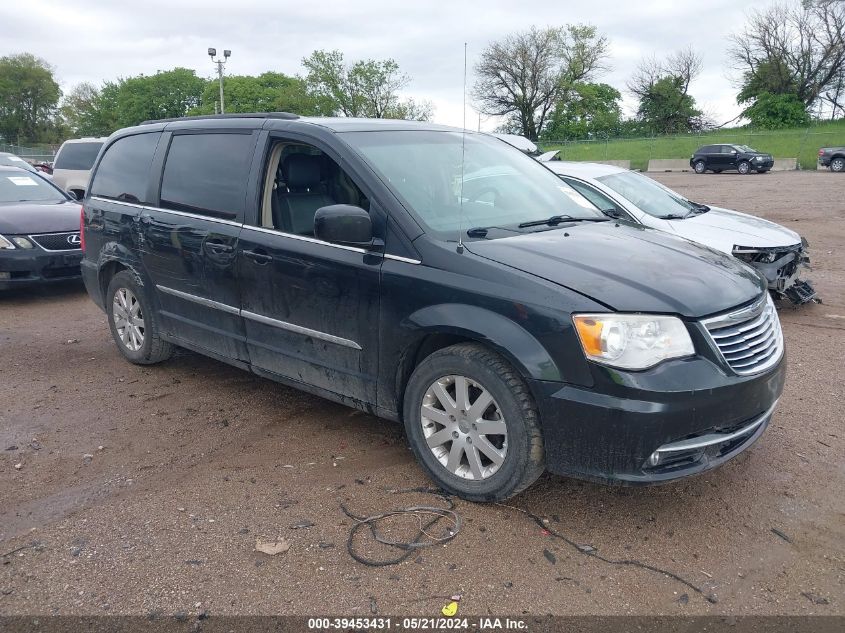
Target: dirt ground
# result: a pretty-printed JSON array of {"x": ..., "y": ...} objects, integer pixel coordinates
[{"x": 129, "y": 490}]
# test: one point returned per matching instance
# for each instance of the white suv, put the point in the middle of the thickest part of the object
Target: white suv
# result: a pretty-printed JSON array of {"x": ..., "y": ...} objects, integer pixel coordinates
[{"x": 73, "y": 163}]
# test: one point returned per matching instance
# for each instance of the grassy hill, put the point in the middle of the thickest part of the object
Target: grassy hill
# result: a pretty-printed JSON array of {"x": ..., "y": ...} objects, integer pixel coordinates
[{"x": 803, "y": 143}]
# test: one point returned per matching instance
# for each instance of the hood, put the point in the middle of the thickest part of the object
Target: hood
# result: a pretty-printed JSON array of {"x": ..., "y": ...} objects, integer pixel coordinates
[
  {"x": 723, "y": 229},
  {"x": 630, "y": 269},
  {"x": 30, "y": 217}
]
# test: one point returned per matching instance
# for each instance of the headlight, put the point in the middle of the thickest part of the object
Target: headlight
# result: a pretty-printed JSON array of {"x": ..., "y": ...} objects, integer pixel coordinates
[
  {"x": 760, "y": 158},
  {"x": 22, "y": 242},
  {"x": 4, "y": 243},
  {"x": 632, "y": 341}
]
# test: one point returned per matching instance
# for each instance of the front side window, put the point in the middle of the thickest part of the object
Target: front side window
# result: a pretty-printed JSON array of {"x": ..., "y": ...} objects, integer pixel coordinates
[
  {"x": 501, "y": 187},
  {"x": 123, "y": 173},
  {"x": 77, "y": 156},
  {"x": 17, "y": 186},
  {"x": 648, "y": 195},
  {"x": 207, "y": 174}
]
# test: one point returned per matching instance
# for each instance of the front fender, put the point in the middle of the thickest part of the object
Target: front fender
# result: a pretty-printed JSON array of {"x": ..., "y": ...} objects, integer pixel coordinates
[{"x": 502, "y": 334}]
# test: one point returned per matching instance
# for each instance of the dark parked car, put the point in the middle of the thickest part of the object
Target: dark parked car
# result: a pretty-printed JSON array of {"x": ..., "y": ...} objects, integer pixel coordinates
[
  {"x": 500, "y": 316},
  {"x": 833, "y": 158},
  {"x": 12, "y": 160},
  {"x": 39, "y": 230},
  {"x": 741, "y": 158}
]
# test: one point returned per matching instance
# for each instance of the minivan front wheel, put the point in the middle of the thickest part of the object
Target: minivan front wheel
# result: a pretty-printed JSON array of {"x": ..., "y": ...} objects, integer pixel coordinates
[
  {"x": 133, "y": 323},
  {"x": 472, "y": 424}
]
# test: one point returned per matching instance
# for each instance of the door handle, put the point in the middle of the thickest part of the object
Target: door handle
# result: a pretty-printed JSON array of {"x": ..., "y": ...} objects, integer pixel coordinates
[
  {"x": 259, "y": 256},
  {"x": 219, "y": 247}
]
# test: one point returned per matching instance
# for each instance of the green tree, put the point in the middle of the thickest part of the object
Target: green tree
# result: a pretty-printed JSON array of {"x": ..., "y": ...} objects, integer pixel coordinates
[
  {"x": 29, "y": 96},
  {"x": 166, "y": 94},
  {"x": 662, "y": 87},
  {"x": 268, "y": 92},
  {"x": 366, "y": 88},
  {"x": 773, "y": 111},
  {"x": 524, "y": 76},
  {"x": 589, "y": 109}
]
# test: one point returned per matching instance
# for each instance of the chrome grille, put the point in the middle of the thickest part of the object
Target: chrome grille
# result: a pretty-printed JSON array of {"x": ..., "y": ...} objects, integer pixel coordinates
[
  {"x": 750, "y": 340},
  {"x": 58, "y": 241}
]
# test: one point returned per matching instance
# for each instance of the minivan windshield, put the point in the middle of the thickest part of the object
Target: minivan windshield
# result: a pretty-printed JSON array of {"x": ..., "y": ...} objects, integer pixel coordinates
[
  {"x": 648, "y": 195},
  {"x": 21, "y": 186},
  {"x": 501, "y": 187}
]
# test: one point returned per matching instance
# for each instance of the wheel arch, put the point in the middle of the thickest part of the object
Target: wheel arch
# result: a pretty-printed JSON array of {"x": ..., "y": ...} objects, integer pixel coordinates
[
  {"x": 113, "y": 259},
  {"x": 440, "y": 326}
]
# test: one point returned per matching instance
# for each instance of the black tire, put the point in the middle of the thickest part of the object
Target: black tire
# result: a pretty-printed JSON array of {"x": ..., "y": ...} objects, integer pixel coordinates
[
  {"x": 837, "y": 164},
  {"x": 744, "y": 167},
  {"x": 153, "y": 349},
  {"x": 699, "y": 166},
  {"x": 524, "y": 459}
]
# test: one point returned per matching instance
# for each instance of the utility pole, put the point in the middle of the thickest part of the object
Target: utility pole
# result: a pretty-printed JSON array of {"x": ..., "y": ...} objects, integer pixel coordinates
[{"x": 220, "y": 63}]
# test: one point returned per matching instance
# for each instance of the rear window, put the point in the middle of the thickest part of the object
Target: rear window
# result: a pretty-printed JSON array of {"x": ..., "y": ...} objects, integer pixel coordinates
[
  {"x": 123, "y": 173},
  {"x": 80, "y": 156},
  {"x": 207, "y": 174}
]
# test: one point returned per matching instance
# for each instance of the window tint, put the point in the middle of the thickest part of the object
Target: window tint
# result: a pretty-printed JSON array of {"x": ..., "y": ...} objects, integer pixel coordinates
[
  {"x": 727, "y": 149},
  {"x": 123, "y": 173},
  {"x": 207, "y": 174},
  {"x": 77, "y": 155}
]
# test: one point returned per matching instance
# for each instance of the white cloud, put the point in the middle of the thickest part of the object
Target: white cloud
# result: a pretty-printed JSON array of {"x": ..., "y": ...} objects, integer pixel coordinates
[{"x": 90, "y": 40}]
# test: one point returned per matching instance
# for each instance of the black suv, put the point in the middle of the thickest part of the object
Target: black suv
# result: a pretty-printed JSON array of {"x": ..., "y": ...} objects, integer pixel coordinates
[
  {"x": 832, "y": 158},
  {"x": 741, "y": 158},
  {"x": 444, "y": 280}
]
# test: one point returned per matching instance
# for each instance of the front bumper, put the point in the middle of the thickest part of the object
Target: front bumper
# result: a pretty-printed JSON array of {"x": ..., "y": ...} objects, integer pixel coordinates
[
  {"x": 782, "y": 273},
  {"x": 23, "y": 267},
  {"x": 763, "y": 165},
  {"x": 695, "y": 413}
]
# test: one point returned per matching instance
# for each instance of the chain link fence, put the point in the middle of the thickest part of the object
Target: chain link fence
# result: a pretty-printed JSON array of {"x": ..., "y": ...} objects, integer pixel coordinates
[{"x": 37, "y": 154}]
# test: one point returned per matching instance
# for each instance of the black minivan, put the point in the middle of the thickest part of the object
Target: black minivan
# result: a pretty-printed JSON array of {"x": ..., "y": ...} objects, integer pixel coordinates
[{"x": 438, "y": 278}]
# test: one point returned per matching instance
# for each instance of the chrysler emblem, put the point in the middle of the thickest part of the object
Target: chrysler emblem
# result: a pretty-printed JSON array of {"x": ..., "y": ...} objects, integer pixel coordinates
[{"x": 74, "y": 239}]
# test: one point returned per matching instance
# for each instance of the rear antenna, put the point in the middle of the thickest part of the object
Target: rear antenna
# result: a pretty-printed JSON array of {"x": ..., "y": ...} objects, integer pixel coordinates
[{"x": 463, "y": 154}]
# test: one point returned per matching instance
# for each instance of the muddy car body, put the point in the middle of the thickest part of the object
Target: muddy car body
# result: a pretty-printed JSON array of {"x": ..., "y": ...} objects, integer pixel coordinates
[
  {"x": 780, "y": 254},
  {"x": 502, "y": 318}
]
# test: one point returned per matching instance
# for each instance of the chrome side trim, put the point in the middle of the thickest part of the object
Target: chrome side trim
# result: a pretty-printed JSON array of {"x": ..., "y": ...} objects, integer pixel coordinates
[
  {"x": 304, "y": 238},
  {"x": 260, "y": 229},
  {"x": 208, "y": 303},
  {"x": 184, "y": 214},
  {"x": 397, "y": 258},
  {"x": 331, "y": 338},
  {"x": 710, "y": 439}
]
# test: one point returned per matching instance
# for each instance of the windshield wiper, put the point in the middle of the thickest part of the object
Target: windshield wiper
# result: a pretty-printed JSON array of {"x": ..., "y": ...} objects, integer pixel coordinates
[
  {"x": 557, "y": 219},
  {"x": 477, "y": 231},
  {"x": 672, "y": 216}
]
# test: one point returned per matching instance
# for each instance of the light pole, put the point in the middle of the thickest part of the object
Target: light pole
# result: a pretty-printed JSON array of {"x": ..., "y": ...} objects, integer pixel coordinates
[{"x": 220, "y": 63}]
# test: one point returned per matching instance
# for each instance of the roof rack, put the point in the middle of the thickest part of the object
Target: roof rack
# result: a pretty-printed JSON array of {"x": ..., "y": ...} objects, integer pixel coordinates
[{"x": 236, "y": 115}]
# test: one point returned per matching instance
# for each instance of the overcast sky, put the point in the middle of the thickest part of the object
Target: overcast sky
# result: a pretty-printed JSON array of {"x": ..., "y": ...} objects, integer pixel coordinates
[{"x": 91, "y": 40}]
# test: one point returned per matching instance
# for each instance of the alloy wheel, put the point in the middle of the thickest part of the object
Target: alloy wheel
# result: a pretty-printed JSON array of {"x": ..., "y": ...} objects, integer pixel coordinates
[
  {"x": 464, "y": 427},
  {"x": 837, "y": 164},
  {"x": 128, "y": 319}
]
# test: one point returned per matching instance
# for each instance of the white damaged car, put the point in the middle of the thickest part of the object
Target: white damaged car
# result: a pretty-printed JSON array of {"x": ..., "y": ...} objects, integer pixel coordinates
[{"x": 777, "y": 252}]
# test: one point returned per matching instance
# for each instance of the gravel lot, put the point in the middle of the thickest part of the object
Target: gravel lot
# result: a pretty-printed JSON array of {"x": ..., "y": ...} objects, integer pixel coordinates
[{"x": 143, "y": 490}]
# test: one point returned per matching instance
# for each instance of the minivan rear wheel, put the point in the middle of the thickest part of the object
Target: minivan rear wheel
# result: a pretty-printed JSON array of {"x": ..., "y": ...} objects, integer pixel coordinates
[
  {"x": 133, "y": 323},
  {"x": 472, "y": 424},
  {"x": 700, "y": 167}
]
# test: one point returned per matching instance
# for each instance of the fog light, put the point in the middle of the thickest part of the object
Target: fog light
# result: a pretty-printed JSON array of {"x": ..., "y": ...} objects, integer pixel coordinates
[{"x": 654, "y": 459}]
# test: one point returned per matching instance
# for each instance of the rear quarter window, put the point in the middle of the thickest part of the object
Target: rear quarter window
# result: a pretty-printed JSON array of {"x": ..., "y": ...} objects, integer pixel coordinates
[
  {"x": 207, "y": 174},
  {"x": 77, "y": 156},
  {"x": 123, "y": 172}
]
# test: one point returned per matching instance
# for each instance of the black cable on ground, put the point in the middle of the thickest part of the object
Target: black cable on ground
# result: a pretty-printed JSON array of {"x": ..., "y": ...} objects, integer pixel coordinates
[
  {"x": 589, "y": 551},
  {"x": 410, "y": 547}
]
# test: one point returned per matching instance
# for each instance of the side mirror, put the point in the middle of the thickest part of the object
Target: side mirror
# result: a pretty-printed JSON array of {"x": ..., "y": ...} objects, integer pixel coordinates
[
  {"x": 343, "y": 224},
  {"x": 733, "y": 151},
  {"x": 73, "y": 195}
]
